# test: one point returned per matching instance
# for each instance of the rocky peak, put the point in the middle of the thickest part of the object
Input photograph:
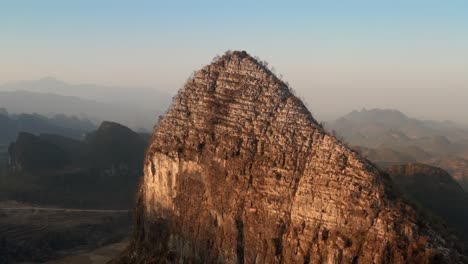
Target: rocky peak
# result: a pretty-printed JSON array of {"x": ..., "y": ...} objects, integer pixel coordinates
[
  {"x": 114, "y": 144},
  {"x": 234, "y": 95},
  {"x": 238, "y": 171}
]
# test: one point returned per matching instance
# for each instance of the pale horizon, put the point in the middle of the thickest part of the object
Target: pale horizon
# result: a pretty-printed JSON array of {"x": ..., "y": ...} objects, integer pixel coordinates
[{"x": 407, "y": 56}]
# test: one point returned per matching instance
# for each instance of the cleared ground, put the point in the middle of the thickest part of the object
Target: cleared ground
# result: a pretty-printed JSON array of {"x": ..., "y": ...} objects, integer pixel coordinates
[
  {"x": 37, "y": 235},
  {"x": 99, "y": 256}
]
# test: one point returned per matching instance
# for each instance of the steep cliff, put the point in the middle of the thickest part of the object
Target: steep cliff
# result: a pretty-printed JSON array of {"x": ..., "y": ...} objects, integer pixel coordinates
[{"x": 238, "y": 171}]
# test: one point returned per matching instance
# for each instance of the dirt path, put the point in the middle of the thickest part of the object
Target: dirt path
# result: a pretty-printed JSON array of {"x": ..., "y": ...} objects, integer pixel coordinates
[
  {"x": 64, "y": 209},
  {"x": 98, "y": 256}
]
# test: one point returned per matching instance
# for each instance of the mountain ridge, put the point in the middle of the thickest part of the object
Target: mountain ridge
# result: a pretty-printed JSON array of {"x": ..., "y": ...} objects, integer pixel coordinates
[
  {"x": 239, "y": 171},
  {"x": 50, "y": 104}
]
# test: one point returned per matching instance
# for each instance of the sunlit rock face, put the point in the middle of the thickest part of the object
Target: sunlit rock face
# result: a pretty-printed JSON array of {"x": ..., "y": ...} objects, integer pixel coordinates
[{"x": 238, "y": 171}]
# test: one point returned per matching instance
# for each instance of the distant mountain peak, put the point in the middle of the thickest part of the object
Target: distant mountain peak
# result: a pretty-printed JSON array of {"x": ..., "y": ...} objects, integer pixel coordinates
[{"x": 110, "y": 125}]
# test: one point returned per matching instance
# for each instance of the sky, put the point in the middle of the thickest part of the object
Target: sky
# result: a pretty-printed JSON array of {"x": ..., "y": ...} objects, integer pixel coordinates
[{"x": 337, "y": 55}]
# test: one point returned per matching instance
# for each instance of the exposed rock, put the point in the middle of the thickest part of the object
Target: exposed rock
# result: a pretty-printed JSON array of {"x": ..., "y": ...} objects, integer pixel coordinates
[{"x": 238, "y": 171}]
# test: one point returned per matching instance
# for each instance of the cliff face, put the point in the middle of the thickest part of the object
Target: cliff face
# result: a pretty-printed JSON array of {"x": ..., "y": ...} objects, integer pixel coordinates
[{"x": 238, "y": 171}]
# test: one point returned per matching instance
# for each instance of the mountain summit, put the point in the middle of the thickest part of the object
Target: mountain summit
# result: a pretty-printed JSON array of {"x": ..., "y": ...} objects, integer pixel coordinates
[{"x": 238, "y": 171}]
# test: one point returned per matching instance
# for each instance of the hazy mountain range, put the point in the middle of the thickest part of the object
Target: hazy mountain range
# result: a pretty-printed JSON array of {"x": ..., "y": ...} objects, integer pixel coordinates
[
  {"x": 389, "y": 137},
  {"x": 136, "y": 107},
  {"x": 372, "y": 128},
  {"x": 391, "y": 129},
  {"x": 12, "y": 124}
]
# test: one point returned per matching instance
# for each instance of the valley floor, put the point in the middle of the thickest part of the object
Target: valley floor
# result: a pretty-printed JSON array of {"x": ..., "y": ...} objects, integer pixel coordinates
[
  {"x": 99, "y": 256},
  {"x": 32, "y": 234}
]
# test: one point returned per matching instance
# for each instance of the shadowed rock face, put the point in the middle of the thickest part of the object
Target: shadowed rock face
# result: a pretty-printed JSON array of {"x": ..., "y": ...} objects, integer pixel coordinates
[
  {"x": 238, "y": 171},
  {"x": 457, "y": 167},
  {"x": 434, "y": 189}
]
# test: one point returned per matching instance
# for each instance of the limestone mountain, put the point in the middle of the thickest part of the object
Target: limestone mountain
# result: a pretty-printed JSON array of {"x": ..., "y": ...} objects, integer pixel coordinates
[
  {"x": 239, "y": 171},
  {"x": 115, "y": 144},
  {"x": 30, "y": 152},
  {"x": 456, "y": 166},
  {"x": 101, "y": 170},
  {"x": 436, "y": 190}
]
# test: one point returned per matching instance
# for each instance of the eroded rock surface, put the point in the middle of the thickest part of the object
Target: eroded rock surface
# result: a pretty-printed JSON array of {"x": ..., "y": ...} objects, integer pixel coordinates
[{"x": 239, "y": 171}]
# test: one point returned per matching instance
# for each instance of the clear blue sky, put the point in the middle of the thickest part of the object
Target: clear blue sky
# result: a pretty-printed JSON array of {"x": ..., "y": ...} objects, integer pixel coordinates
[{"x": 339, "y": 55}]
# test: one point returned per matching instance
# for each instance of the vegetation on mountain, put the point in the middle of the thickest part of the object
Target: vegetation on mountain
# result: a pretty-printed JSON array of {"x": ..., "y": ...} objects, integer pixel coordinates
[{"x": 100, "y": 171}]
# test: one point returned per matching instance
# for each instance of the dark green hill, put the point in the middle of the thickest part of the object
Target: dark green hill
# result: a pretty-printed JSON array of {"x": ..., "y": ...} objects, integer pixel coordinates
[
  {"x": 101, "y": 171},
  {"x": 434, "y": 189},
  {"x": 115, "y": 144},
  {"x": 31, "y": 153}
]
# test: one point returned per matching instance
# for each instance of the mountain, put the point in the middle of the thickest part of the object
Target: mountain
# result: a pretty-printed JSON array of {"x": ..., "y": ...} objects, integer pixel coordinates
[
  {"x": 434, "y": 189},
  {"x": 239, "y": 171},
  {"x": 377, "y": 127},
  {"x": 48, "y": 104},
  {"x": 30, "y": 152},
  {"x": 139, "y": 97},
  {"x": 384, "y": 156},
  {"x": 115, "y": 144},
  {"x": 457, "y": 167},
  {"x": 101, "y": 171},
  {"x": 12, "y": 124}
]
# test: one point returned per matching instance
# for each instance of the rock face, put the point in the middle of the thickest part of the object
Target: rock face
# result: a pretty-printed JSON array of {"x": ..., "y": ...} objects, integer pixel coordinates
[{"x": 238, "y": 171}]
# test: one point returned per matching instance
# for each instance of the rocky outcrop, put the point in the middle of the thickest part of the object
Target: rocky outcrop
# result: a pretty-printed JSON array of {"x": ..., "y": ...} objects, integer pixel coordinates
[{"x": 238, "y": 171}]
